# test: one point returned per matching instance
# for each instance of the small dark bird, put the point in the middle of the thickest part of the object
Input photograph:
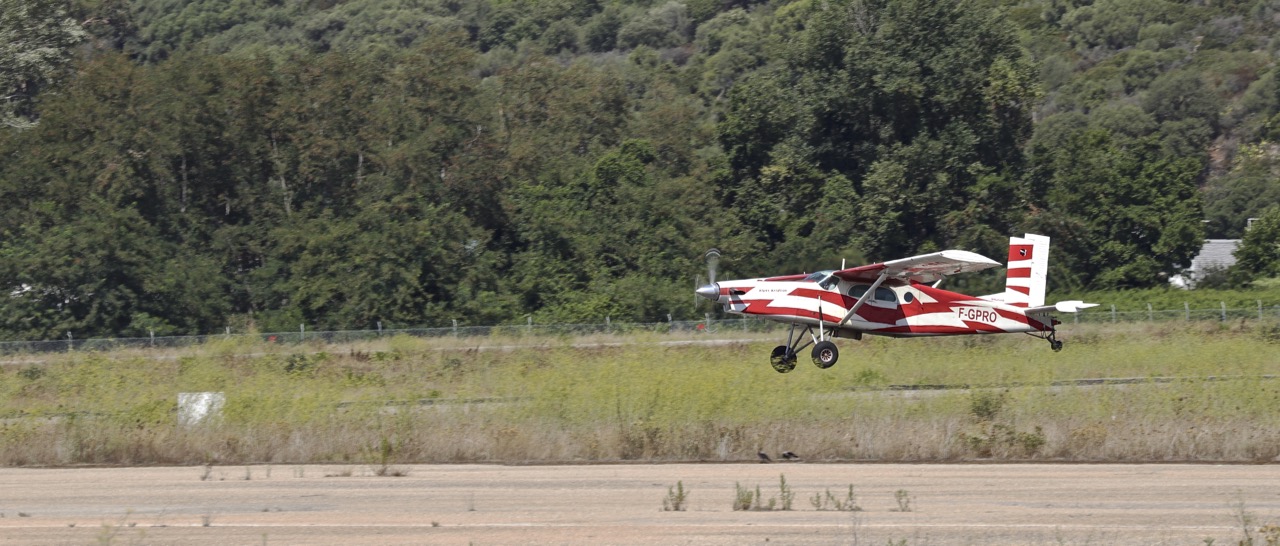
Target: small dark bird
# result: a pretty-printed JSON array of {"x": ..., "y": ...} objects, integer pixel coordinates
[
  {"x": 789, "y": 455},
  {"x": 764, "y": 457}
]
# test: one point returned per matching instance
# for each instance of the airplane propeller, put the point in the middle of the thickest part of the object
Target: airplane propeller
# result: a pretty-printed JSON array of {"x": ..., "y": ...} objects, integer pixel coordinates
[
  {"x": 713, "y": 264},
  {"x": 711, "y": 290}
]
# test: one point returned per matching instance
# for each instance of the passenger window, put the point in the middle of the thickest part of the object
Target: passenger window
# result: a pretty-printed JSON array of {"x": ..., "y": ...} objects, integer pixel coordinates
[
  {"x": 858, "y": 290},
  {"x": 884, "y": 294},
  {"x": 907, "y": 297}
]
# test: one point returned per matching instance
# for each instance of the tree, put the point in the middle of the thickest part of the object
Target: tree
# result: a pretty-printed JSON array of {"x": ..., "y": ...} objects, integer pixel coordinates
[
  {"x": 1130, "y": 215},
  {"x": 910, "y": 101},
  {"x": 1258, "y": 256},
  {"x": 105, "y": 272},
  {"x": 36, "y": 41}
]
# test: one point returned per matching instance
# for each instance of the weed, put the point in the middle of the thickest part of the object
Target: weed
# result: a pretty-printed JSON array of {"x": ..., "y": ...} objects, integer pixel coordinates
[
  {"x": 1004, "y": 439},
  {"x": 903, "y": 498},
  {"x": 386, "y": 449},
  {"x": 827, "y": 501},
  {"x": 743, "y": 498},
  {"x": 32, "y": 372},
  {"x": 675, "y": 499},
  {"x": 985, "y": 404},
  {"x": 1270, "y": 534},
  {"x": 1245, "y": 518},
  {"x": 786, "y": 494}
]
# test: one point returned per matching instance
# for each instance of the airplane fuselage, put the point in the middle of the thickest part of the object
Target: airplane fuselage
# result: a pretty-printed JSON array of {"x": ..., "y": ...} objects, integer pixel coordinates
[{"x": 896, "y": 309}]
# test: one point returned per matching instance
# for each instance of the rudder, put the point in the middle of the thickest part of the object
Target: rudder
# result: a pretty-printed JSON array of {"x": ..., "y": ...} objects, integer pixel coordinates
[{"x": 1028, "y": 271}]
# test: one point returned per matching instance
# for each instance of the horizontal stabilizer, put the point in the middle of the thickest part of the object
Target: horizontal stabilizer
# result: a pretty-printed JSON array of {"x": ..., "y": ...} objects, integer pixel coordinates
[{"x": 1069, "y": 306}]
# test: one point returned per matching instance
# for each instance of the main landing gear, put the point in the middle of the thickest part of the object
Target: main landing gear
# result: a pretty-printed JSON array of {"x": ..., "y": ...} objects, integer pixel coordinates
[
  {"x": 824, "y": 353},
  {"x": 1052, "y": 338}
]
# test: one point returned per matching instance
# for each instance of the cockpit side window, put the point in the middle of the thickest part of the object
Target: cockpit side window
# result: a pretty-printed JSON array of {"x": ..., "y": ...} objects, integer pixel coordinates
[{"x": 881, "y": 293}]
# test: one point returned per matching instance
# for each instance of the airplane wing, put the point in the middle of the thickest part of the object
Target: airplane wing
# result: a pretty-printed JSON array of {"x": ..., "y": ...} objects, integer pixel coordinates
[{"x": 924, "y": 268}]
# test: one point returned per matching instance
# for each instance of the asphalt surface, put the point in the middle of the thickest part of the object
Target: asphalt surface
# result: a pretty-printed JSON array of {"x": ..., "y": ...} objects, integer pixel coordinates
[{"x": 623, "y": 504}]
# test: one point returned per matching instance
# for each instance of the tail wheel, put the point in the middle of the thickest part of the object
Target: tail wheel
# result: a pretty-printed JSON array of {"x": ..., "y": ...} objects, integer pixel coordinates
[
  {"x": 783, "y": 359},
  {"x": 825, "y": 354}
]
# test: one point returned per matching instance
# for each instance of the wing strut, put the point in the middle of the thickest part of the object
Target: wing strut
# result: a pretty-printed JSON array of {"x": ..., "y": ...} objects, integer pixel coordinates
[{"x": 870, "y": 293}]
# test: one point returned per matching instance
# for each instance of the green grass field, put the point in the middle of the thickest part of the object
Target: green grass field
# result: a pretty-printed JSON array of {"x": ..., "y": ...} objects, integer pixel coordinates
[{"x": 403, "y": 400}]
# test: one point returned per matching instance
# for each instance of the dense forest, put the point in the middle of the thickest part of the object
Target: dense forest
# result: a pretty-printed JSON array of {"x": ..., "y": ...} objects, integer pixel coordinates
[{"x": 177, "y": 166}]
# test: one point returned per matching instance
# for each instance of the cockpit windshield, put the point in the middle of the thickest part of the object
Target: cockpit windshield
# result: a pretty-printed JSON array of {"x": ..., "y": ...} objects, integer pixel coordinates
[
  {"x": 824, "y": 278},
  {"x": 819, "y": 275}
]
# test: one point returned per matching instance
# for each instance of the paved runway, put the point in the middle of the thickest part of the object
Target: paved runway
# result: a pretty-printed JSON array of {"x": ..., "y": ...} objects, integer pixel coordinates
[{"x": 622, "y": 504}]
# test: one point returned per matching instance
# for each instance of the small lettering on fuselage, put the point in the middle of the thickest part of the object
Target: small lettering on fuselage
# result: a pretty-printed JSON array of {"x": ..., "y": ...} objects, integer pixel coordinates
[
  {"x": 978, "y": 314},
  {"x": 773, "y": 290}
]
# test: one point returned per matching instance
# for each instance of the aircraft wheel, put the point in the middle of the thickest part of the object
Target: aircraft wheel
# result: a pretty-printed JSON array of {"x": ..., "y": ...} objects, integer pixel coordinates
[
  {"x": 782, "y": 359},
  {"x": 1055, "y": 345},
  {"x": 825, "y": 354}
]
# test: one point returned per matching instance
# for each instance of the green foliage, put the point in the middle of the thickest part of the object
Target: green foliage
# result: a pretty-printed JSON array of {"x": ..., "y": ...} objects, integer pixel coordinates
[
  {"x": 414, "y": 162},
  {"x": 1258, "y": 255},
  {"x": 1129, "y": 215},
  {"x": 36, "y": 41},
  {"x": 869, "y": 95}
]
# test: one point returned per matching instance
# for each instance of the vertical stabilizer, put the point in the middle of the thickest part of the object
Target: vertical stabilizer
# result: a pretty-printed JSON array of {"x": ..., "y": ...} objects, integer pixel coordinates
[{"x": 1028, "y": 268}]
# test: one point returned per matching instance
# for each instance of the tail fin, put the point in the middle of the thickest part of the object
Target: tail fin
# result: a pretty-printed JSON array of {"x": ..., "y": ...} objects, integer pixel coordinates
[{"x": 1027, "y": 270}]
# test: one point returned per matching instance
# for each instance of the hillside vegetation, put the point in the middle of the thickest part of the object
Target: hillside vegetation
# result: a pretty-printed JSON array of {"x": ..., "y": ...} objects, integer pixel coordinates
[{"x": 181, "y": 166}]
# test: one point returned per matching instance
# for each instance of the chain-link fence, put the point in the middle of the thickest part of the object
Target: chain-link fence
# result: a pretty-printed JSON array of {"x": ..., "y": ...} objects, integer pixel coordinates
[
  {"x": 1108, "y": 313},
  {"x": 721, "y": 326}
]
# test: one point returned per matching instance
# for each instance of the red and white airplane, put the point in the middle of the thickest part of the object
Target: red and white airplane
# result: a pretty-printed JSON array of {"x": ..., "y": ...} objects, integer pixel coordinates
[{"x": 898, "y": 298}]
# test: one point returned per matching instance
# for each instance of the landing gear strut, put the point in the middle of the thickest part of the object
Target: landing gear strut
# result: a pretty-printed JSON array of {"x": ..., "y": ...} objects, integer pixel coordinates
[
  {"x": 824, "y": 354},
  {"x": 1052, "y": 338}
]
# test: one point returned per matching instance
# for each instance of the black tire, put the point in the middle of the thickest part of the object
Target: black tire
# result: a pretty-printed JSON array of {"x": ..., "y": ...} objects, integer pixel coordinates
[
  {"x": 825, "y": 354},
  {"x": 782, "y": 359},
  {"x": 1055, "y": 345}
]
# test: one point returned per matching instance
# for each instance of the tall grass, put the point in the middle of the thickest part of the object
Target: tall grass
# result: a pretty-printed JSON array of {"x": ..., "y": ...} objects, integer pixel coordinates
[{"x": 405, "y": 400}]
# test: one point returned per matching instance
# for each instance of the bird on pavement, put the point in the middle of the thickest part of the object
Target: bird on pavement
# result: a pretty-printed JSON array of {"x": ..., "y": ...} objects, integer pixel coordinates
[
  {"x": 764, "y": 457},
  {"x": 789, "y": 455}
]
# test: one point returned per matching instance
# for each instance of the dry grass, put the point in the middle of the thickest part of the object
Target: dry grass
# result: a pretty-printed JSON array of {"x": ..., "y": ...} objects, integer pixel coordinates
[{"x": 406, "y": 400}]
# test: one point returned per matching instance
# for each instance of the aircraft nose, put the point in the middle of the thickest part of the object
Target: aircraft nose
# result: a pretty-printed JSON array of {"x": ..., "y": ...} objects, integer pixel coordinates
[{"x": 710, "y": 291}]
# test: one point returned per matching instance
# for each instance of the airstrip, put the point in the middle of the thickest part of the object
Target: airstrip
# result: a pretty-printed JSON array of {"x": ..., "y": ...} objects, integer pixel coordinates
[{"x": 623, "y": 504}]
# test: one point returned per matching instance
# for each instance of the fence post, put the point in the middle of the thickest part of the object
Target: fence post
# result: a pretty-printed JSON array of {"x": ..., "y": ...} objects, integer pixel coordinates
[
  {"x": 1259, "y": 309},
  {"x": 529, "y": 324},
  {"x": 70, "y": 342},
  {"x": 302, "y": 332},
  {"x": 153, "y": 332},
  {"x": 1187, "y": 307},
  {"x": 1224, "y": 311},
  {"x": 455, "y": 327},
  {"x": 1151, "y": 317},
  {"x": 1113, "y": 313},
  {"x": 379, "y": 328}
]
